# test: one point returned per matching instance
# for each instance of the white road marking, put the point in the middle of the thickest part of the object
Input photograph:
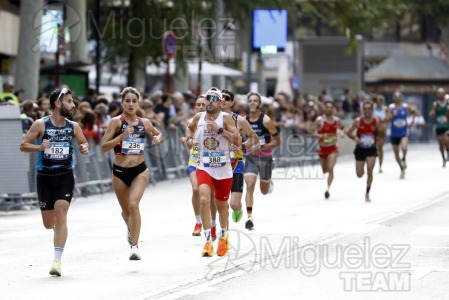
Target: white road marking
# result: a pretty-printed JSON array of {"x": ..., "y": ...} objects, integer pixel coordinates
[{"x": 431, "y": 230}]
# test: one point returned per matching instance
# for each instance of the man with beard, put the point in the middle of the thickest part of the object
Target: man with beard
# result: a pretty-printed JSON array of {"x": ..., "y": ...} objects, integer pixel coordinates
[
  {"x": 214, "y": 132},
  {"x": 200, "y": 106},
  {"x": 325, "y": 129},
  {"x": 365, "y": 151},
  {"x": 259, "y": 159},
  {"x": 55, "y": 181}
]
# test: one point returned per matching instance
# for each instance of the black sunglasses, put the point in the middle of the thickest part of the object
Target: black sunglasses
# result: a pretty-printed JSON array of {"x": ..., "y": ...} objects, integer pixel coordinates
[{"x": 227, "y": 98}]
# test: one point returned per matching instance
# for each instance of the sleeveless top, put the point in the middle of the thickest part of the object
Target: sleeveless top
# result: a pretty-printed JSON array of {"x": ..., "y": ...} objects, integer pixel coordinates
[
  {"x": 329, "y": 130},
  {"x": 367, "y": 133},
  {"x": 59, "y": 156},
  {"x": 441, "y": 115},
  {"x": 237, "y": 164},
  {"x": 399, "y": 120},
  {"x": 263, "y": 134},
  {"x": 213, "y": 149},
  {"x": 379, "y": 113},
  {"x": 134, "y": 143}
]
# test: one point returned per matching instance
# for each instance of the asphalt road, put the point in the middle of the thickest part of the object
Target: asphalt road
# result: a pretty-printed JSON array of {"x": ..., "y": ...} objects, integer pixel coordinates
[{"x": 302, "y": 245}]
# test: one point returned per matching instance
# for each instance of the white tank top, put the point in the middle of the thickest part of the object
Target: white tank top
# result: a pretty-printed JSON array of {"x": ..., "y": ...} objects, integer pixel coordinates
[
  {"x": 214, "y": 149},
  {"x": 380, "y": 113}
]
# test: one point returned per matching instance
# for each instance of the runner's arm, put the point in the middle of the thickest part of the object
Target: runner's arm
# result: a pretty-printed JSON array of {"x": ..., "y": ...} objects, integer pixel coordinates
[
  {"x": 433, "y": 110},
  {"x": 412, "y": 113},
  {"x": 230, "y": 131},
  {"x": 341, "y": 126},
  {"x": 156, "y": 135},
  {"x": 84, "y": 145},
  {"x": 34, "y": 133},
  {"x": 109, "y": 141},
  {"x": 248, "y": 130},
  {"x": 315, "y": 126},
  {"x": 388, "y": 115},
  {"x": 190, "y": 130},
  {"x": 275, "y": 138},
  {"x": 351, "y": 129}
]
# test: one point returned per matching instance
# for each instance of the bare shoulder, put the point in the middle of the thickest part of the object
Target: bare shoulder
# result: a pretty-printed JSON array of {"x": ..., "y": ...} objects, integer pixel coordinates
[
  {"x": 38, "y": 125},
  {"x": 146, "y": 122},
  {"x": 227, "y": 116},
  {"x": 40, "y": 122},
  {"x": 267, "y": 121},
  {"x": 75, "y": 124},
  {"x": 266, "y": 118},
  {"x": 241, "y": 119},
  {"x": 197, "y": 116},
  {"x": 115, "y": 121}
]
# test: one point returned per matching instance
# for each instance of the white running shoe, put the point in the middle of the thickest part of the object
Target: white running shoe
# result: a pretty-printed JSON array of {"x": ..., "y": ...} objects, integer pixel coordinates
[
  {"x": 367, "y": 198},
  {"x": 134, "y": 253},
  {"x": 56, "y": 268}
]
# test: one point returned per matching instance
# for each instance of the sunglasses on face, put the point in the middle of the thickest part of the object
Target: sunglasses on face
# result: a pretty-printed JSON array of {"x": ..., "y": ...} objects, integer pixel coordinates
[
  {"x": 227, "y": 98},
  {"x": 213, "y": 98},
  {"x": 63, "y": 92}
]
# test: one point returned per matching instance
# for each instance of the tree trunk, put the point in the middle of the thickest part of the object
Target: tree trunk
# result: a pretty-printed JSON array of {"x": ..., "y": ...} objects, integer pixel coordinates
[{"x": 28, "y": 57}]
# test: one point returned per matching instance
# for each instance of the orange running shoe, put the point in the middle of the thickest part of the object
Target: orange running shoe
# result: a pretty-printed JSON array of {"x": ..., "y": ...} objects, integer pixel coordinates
[
  {"x": 208, "y": 250},
  {"x": 223, "y": 245},
  {"x": 197, "y": 229}
]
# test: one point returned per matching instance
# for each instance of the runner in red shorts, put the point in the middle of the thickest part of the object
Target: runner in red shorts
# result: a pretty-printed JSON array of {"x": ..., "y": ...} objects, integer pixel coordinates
[
  {"x": 325, "y": 129},
  {"x": 214, "y": 132}
]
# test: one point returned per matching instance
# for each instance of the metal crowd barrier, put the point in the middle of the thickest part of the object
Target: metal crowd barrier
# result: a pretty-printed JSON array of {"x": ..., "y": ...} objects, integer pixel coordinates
[
  {"x": 15, "y": 188},
  {"x": 93, "y": 171},
  {"x": 295, "y": 147},
  {"x": 165, "y": 161}
]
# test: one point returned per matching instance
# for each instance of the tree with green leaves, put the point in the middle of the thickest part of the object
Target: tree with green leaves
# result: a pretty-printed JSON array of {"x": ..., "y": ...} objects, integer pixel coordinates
[{"x": 131, "y": 32}]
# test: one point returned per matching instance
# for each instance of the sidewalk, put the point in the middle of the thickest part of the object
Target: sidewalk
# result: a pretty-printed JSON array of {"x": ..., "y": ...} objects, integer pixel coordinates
[{"x": 95, "y": 261}]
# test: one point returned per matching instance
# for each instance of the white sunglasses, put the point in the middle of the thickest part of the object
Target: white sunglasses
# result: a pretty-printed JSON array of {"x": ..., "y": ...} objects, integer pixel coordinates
[{"x": 63, "y": 92}]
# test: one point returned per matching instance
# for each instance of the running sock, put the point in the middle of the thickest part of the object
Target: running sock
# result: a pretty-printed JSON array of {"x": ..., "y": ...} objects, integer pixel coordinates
[
  {"x": 213, "y": 223},
  {"x": 367, "y": 189},
  {"x": 198, "y": 219},
  {"x": 58, "y": 253},
  {"x": 249, "y": 211},
  {"x": 207, "y": 235}
]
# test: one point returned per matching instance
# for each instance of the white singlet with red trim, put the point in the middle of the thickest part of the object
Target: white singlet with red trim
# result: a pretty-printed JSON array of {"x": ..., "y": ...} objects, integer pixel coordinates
[{"x": 214, "y": 149}]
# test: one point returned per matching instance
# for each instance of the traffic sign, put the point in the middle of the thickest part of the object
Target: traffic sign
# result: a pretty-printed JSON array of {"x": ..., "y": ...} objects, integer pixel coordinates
[{"x": 169, "y": 44}]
